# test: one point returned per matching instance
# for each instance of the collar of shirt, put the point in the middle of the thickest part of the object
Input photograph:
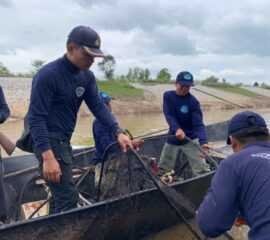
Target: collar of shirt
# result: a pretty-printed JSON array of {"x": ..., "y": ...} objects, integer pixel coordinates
[
  {"x": 258, "y": 143},
  {"x": 70, "y": 66}
]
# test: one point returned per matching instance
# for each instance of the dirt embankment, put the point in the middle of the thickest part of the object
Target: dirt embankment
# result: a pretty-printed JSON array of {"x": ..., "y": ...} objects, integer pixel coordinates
[
  {"x": 17, "y": 91},
  {"x": 155, "y": 94}
]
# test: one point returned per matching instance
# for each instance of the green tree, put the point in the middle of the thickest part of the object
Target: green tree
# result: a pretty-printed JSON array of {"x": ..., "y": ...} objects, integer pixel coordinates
[
  {"x": 164, "y": 75},
  {"x": 147, "y": 74},
  {"x": 138, "y": 74},
  {"x": 256, "y": 84},
  {"x": 129, "y": 75},
  {"x": 4, "y": 72},
  {"x": 37, "y": 64},
  {"x": 107, "y": 66},
  {"x": 264, "y": 85},
  {"x": 212, "y": 80}
]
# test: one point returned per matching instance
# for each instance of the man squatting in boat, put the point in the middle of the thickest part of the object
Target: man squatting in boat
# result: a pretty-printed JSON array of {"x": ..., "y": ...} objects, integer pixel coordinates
[
  {"x": 104, "y": 138},
  {"x": 58, "y": 90},
  {"x": 240, "y": 187}
]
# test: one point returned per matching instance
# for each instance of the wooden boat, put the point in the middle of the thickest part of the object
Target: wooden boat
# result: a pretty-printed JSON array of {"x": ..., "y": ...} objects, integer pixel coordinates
[{"x": 128, "y": 217}]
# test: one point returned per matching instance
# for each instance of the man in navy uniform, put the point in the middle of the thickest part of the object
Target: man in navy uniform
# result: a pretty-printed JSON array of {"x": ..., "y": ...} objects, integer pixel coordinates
[
  {"x": 184, "y": 117},
  {"x": 4, "y": 114},
  {"x": 240, "y": 187},
  {"x": 58, "y": 90},
  {"x": 103, "y": 139},
  {"x": 4, "y": 109}
]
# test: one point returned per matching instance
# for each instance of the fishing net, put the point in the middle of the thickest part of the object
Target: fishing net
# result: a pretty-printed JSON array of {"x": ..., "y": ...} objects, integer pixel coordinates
[{"x": 124, "y": 175}]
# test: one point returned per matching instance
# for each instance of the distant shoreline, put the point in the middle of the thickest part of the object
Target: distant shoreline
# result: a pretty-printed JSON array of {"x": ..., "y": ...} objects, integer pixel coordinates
[{"x": 17, "y": 92}]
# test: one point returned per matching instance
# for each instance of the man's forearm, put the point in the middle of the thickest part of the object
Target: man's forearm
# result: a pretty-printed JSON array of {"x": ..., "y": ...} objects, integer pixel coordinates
[{"x": 48, "y": 154}]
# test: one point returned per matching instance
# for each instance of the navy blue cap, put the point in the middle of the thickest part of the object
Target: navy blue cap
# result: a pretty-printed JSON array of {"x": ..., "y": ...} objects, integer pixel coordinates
[
  {"x": 185, "y": 78},
  {"x": 88, "y": 38},
  {"x": 105, "y": 97},
  {"x": 244, "y": 120}
]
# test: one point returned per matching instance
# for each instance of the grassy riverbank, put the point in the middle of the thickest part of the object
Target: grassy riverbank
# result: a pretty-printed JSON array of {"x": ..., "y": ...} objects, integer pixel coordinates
[
  {"x": 120, "y": 88},
  {"x": 232, "y": 89}
]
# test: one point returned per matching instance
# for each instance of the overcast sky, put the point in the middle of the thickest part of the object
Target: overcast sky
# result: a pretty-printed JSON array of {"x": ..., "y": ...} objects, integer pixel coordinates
[{"x": 229, "y": 39}]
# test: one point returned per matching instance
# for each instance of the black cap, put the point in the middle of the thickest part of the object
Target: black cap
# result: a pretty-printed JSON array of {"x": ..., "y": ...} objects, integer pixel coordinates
[
  {"x": 185, "y": 78},
  {"x": 105, "y": 97},
  {"x": 88, "y": 38},
  {"x": 244, "y": 120}
]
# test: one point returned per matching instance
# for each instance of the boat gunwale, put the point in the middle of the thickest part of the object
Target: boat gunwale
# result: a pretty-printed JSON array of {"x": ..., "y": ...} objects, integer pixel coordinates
[{"x": 98, "y": 204}]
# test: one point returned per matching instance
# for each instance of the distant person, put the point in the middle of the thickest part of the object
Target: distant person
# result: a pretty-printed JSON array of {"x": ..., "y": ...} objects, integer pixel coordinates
[
  {"x": 241, "y": 185},
  {"x": 4, "y": 109},
  {"x": 58, "y": 89},
  {"x": 184, "y": 117},
  {"x": 4, "y": 114},
  {"x": 104, "y": 138}
]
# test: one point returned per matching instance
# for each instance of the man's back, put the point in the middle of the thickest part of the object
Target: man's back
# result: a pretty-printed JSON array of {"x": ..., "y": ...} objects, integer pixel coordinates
[
  {"x": 253, "y": 164},
  {"x": 241, "y": 186}
]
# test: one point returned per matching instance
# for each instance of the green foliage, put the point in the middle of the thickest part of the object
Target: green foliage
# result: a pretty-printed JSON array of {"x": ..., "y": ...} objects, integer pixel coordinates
[
  {"x": 164, "y": 75},
  {"x": 256, "y": 84},
  {"x": 107, "y": 66},
  {"x": 138, "y": 74},
  {"x": 212, "y": 80},
  {"x": 264, "y": 85},
  {"x": 119, "y": 88},
  {"x": 224, "y": 86},
  {"x": 37, "y": 64},
  {"x": 4, "y": 72},
  {"x": 25, "y": 75}
]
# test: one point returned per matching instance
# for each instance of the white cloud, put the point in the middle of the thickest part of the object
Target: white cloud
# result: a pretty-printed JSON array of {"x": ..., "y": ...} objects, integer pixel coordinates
[{"x": 229, "y": 39}]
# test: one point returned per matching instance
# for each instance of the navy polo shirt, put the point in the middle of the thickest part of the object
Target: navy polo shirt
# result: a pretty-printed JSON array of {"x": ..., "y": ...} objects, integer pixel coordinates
[
  {"x": 4, "y": 110},
  {"x": 241, "y": 185},
  {"x": 52, "y": 86},
  {"x": 183, "y": 112}
]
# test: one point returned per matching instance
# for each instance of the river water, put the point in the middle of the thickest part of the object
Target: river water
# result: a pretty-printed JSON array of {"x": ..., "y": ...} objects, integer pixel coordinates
[{"x": 138, "y": 125}]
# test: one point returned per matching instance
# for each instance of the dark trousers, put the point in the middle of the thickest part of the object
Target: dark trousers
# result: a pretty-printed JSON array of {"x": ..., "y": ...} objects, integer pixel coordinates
[
  {"x": 3, "y": 208},
  {"x": 64, "y": 195}
]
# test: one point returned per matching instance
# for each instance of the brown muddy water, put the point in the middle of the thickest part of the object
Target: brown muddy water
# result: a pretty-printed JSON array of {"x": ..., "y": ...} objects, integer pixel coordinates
[{"x": 139, "y": 125}]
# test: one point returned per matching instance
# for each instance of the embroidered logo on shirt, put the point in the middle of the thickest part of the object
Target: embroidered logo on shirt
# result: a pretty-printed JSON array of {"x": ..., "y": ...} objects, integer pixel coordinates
[
  {"x": 261, "y": 155},
  {"x": 79, "y": 91},
  {"x": 184, "y": 109}
]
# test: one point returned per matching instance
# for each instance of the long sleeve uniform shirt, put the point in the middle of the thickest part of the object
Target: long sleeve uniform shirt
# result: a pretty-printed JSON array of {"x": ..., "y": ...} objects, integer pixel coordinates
[
  {"x": 51, "y": 88},
  {"x": 183, "y": 112},
  {"x": 241, "y": 186}
]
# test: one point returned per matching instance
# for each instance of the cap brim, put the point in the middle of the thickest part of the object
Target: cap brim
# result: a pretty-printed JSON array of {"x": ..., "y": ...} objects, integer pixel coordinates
[
  {"x": 94, "y": 52},
  {"x": 186, "y": 83},
  {"x": 108, "y": 100}
]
